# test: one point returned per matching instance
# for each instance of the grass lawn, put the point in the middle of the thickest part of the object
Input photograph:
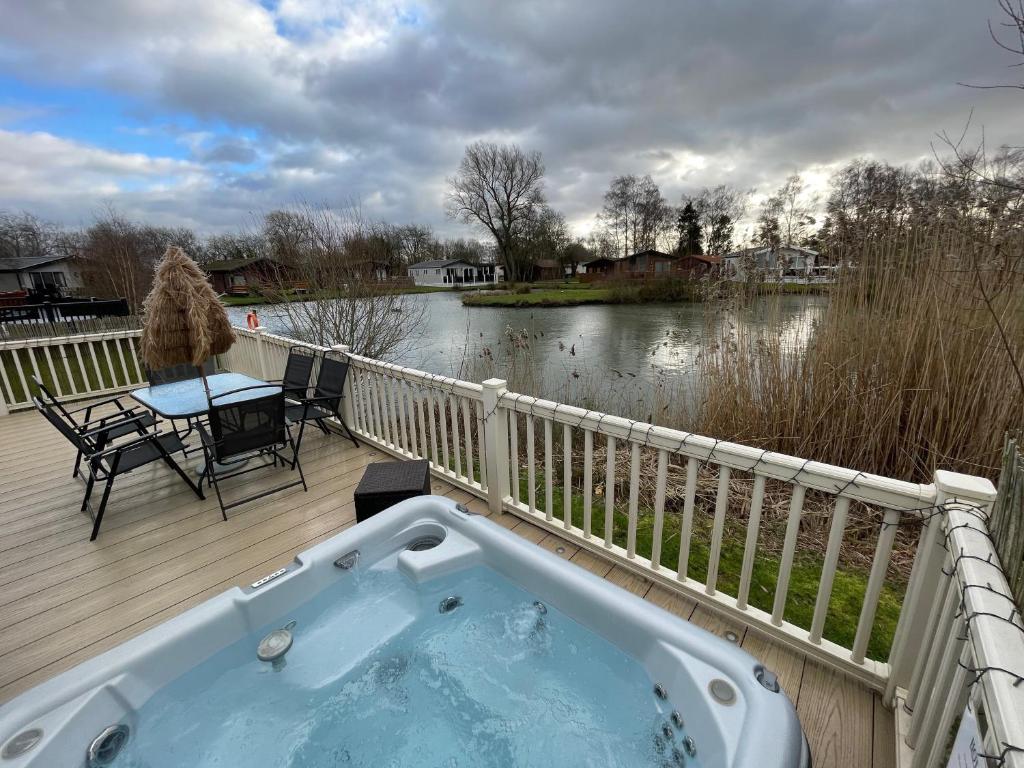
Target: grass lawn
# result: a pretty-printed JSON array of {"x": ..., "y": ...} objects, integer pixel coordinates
[
  {"x": 847, "y": 591},
  {"x": 574, "y": 295}
]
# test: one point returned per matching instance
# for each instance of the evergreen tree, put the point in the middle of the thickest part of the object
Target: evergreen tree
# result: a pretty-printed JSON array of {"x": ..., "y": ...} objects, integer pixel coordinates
[{"x": 691, "y": 233}]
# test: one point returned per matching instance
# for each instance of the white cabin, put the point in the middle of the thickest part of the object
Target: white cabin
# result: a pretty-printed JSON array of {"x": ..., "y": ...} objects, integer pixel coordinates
[
  {"x": 785, "y": 264},
  {"x": 452, "y": 272}
]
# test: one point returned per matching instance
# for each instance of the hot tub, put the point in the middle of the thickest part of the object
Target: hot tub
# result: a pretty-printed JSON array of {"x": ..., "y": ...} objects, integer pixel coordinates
[{"x": 426, "y": 636}]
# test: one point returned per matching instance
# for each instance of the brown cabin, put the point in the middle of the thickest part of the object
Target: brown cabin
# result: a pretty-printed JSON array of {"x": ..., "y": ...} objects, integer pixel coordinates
[
  {"x": 650, "y": 264},
  {"x": 695, "y": 266},
  {"x": 242, "y": 277},
  {"x": 598, "y": 269},
  {"x": 646, "y": 264},
  {"x": 547, "y": 269}
]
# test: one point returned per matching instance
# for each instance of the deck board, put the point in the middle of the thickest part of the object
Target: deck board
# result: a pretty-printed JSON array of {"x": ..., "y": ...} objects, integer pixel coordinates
[
  {"x": 884, "y": 737},
  {"x": 64, "y": 599},
  {"x": 838, "y": 718}
]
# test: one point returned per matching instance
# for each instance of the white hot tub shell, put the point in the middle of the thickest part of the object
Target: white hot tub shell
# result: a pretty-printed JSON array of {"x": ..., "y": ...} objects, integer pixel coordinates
[{"x": 753, "y": 724}]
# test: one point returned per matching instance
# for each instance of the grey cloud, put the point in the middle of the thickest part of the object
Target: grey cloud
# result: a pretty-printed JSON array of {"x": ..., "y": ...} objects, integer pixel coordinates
[
  {"x": 227, "y": 151},
  {"x": 753, "y": 89}
]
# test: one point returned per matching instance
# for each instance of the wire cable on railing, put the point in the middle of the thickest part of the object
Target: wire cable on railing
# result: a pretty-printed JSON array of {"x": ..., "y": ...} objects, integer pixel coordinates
[
  {"x": 970, "y": 617},
  {"x": 681, "y": 448},
  {"x": 998, "y": 761}
]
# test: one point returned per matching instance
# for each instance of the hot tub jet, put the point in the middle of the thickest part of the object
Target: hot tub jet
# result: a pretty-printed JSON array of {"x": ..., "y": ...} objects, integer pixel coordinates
[
  {"x": 449, "y": 604},
  {"x": 274, "y": 646},
  {"x": 105, "y": 748}
]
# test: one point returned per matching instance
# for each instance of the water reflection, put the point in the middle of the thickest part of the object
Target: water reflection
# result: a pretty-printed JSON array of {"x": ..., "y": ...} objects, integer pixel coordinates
[{"x": 600, "y": 347}]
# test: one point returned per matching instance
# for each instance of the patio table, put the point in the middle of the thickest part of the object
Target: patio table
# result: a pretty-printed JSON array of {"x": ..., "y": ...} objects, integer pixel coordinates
[{"x": 187, "y": 399}]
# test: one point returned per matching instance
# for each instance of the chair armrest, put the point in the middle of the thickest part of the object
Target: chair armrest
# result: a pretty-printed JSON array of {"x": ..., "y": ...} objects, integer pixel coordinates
[
  {"x": 115, "y": 400},
  {"x": 124, "y": 445},
  {"x": 204, "y": 435},
  {"x": 107, "y": 427},
  {"x": 321, "y": 399},
  {"x": 113, "y": 419}
]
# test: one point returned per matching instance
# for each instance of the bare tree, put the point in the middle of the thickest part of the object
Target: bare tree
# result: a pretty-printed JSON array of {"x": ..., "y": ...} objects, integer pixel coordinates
[
  {"x": 1001, "y": 174},
  {"x": 25, "y": 235},
  {"x": 720, "y": 208},
  {"x": 796, "y": 216},
  {"x": 1009, "y": 37},
  {"x": 653, "y": 219},
  {"x": 601, "y": 245},
  {"x": 635, "y": 215},
  {"x": 617, "y": 215},
  {"x": 769, "y": 228},
  {"x": 347, "y": 303},
  {"x": 117, "y": 256},
  {"x": 545, "y": 237},
  {"x": 498, "y": 187},
  {"x": 240, "y": 245}
]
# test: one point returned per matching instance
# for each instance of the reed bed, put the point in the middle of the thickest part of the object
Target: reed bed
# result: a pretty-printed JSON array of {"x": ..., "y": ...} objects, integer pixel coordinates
[{"x": 915, "y": 365}]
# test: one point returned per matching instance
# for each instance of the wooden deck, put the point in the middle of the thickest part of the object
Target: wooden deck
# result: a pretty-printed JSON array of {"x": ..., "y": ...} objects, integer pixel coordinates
[{"x": 162, "y": 551}]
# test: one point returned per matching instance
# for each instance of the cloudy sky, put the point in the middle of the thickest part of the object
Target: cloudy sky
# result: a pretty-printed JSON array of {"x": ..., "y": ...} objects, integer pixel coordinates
[{"x": 204, "y": 112}]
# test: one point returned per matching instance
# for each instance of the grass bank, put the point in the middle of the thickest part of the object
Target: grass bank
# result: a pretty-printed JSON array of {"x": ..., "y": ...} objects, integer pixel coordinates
[
  {"x": 662, "y": 289},
  {"x": 574, "y": 295},
  {"x": 666, "y": 289},
  {"x": 848, "y": 588}
]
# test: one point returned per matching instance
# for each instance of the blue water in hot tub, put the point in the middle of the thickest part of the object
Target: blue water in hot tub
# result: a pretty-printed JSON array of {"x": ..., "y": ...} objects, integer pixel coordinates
[{"x": 378, "y": 676}]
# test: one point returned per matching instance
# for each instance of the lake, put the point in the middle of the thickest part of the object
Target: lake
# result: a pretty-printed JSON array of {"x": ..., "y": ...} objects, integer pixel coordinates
[{"x": 597, "y": 345}]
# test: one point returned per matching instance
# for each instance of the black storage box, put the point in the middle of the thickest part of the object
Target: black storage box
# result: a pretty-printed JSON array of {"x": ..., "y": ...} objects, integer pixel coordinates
[{"x": 386, "y": 483}]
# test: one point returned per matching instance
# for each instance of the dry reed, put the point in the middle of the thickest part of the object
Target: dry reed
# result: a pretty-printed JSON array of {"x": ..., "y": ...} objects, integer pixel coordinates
[{"x": 911, "y": 369}]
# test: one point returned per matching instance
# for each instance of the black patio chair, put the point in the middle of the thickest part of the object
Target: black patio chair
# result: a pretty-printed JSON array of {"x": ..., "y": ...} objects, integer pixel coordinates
[
  {"x": 175, "y": 373},
  {"x": 182, "y": 372},
  {"x": 108, "y": 461},
  {"x": 324, "y": 402},
  {"x": 297, "y": 371},
  {"x": 242, "y": 428},
  {"x": 108, "y": 427}
]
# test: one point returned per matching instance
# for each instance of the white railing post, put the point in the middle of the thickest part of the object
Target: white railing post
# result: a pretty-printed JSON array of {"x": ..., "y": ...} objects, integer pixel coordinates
[
  {"x": 261, "y": 356},
  {"x": 911, "y": 639},
  {"x": 933, "y": 698},
  {"x": 3, "y": 402},
  {"x": 496, "y": 441},
  {"x": 346, "y": 400}
]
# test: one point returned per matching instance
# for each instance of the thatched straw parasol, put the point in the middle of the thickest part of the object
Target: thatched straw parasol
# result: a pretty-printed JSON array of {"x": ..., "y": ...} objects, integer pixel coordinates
[{"x": 183, "y": 320}]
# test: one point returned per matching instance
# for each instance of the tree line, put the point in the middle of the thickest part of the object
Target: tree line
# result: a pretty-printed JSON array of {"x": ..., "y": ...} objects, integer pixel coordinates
[
  {"x": 500, "y": 189},
  {"x": 115, "y": 256}
]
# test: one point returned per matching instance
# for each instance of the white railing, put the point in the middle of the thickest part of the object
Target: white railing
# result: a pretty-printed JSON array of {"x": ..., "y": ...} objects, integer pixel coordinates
[
  {"x": 419, "y": 415},
  {"x": 973, "y": 644},
  {"x": 83, "y": 365},
  {"x": 408, "y": 413},
  {"x": 643, "y": 504},
  {"x": 628, "y": 448}
]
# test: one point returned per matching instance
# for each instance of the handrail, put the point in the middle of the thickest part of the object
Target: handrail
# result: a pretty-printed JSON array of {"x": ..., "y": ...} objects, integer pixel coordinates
[
  {"x": 75, "y": 366},
  {"x": 973, "y": 647},
  {"x": 862, "y": 486},
  {"x": 75, "y": 338}
]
